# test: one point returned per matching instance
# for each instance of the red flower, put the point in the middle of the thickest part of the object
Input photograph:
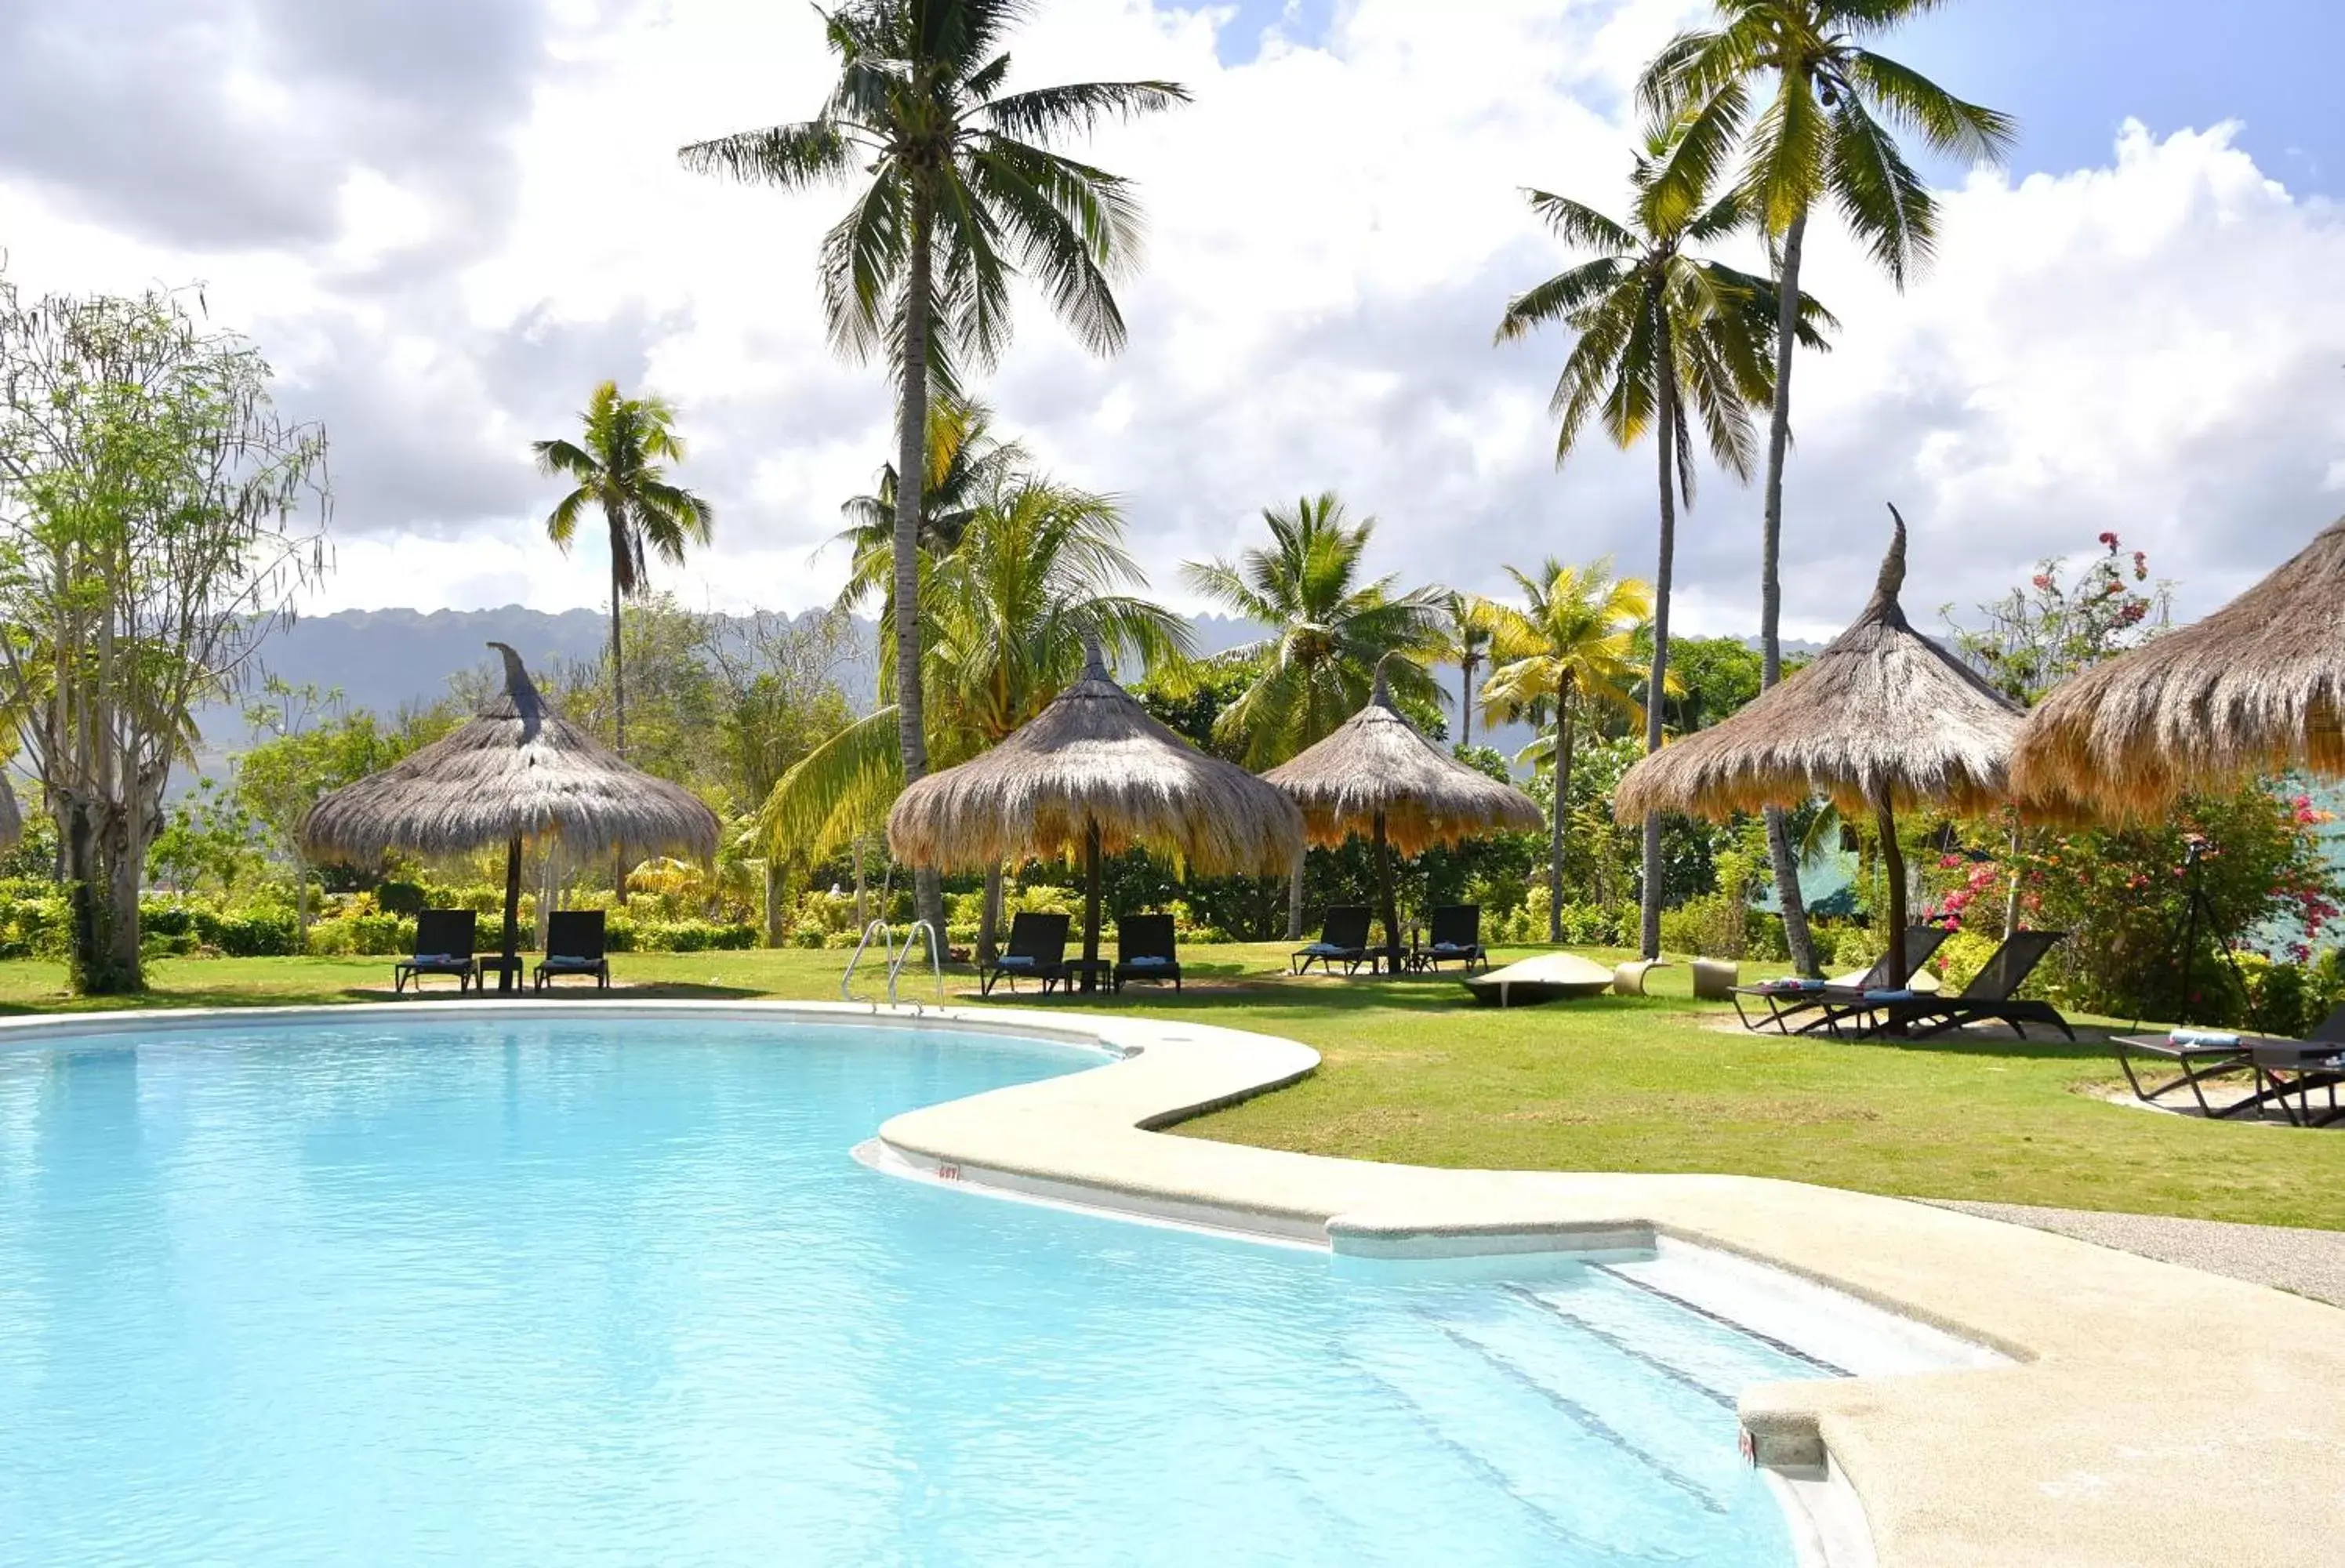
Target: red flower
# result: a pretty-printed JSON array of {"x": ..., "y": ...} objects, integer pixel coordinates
[
  {"x": 2110, "y": 539},
  {"x": 2043, "y": 581}
]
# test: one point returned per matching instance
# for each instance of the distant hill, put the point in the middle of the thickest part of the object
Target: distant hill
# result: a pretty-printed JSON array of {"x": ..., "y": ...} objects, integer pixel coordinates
[{"x": 384, "y": 660}]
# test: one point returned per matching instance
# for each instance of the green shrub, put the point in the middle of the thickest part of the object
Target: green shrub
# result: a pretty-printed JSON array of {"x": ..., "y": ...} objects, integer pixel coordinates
[
  {"x": 1714, "y": 926},
  {"x": 401, "y": 898}
]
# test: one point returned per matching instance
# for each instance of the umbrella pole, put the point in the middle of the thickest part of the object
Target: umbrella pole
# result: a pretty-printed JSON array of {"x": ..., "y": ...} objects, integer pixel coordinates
[
  {"x": 1390, "y": 910},
  {"x": 513, "y": 913},
  {"x": 1893, "y": 866},
  {"x": 1091, "y": 906}
]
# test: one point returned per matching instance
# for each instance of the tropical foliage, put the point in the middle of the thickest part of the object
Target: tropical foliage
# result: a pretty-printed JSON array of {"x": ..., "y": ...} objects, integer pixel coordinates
[
  {"x": 1667, "y": 343},
  {"x": 1790, "y": 96},
  {"x": 962, "y": 192},
  {"x": 617, "y": 469},
  {"x": 1571, "y": 638}
]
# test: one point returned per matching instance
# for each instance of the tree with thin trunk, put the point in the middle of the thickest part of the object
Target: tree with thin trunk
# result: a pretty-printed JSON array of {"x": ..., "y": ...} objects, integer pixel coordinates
[
  {"x": 1573, "y": 638},
  {"x": 1325, "y": 630},
  {"x": 1791, "y": 88},
  {"x": 615, "y": 468},
  {"x": 1668, "y": 341},
  {"x": 1467, "y": 624},
  {"x": 158, "y": 517},
  {"x": 963, "y": 194}
]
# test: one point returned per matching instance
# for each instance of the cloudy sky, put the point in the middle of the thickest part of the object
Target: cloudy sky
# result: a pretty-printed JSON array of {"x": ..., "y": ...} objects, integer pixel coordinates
[{"x": 444, "y": 220}]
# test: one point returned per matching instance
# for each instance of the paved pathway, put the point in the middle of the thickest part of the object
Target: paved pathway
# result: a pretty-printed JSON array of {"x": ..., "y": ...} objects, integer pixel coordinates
[{"x": 2308, "y": 1262}]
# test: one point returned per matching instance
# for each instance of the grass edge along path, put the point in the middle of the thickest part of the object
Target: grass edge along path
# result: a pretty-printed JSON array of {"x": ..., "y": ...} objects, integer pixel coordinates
[{"x": 1415, "y": 1074}]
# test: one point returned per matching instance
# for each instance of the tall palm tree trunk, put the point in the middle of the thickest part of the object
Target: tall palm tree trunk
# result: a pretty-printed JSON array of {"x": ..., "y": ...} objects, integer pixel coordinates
[
  {"x": 1562, "y": 808},
  {"x": 1466, "y": 700},
  {"x": 618, "y": 673},
  {"x": 1649, "y": 917},
  {"x": 1295, "y": 900},
  {"x": 1780, "y": 850},
  {"x": 618, "y": 704},
  {"x": 911, "y": 469}
]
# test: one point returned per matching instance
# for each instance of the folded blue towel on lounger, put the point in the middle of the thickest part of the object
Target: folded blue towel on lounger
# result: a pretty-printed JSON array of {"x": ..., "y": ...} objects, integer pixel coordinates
[
  {"x": 1146, "y": 963},
  {"x": 2202, "y": 1038},
  {"x": 1892, "y": 995}
]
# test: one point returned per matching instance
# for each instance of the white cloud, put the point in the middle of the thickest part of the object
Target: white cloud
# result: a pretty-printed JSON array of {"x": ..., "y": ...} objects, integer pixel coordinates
[{"x": 2147, "y": 347}]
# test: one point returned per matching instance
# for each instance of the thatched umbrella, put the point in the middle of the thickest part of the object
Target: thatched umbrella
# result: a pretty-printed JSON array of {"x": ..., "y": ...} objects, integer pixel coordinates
[
  {"x": 1882, "y": 720},
  {"x": 1093, "y": 772},
  {"x": 2257, "y": 687},
  {"x": 516, "y": 770},
  {"x": 1375, "y": 774}
]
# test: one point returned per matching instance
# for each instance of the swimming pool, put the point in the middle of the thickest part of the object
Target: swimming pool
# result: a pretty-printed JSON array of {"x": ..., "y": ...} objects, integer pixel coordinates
[{"x": 614, "y": 1290}]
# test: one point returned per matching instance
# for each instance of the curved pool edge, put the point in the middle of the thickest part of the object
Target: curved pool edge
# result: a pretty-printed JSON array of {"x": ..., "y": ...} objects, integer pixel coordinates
[{"x": 2142, "y": 1382}]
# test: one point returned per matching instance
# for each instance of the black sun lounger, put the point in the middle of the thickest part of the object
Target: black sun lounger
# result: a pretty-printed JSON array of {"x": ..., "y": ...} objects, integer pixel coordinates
[
  {"x": 1344, "y": 935},
  {"x": 573, "y": 946},
  {"x": 1037, "y": 949},
  {"x": 443, "y": 946},
  {"x": 1787, "y": 999},
  {"x": 1456, "y": 938},
  {"x": 1146, "y": 950},
  {"x": 1987, "y": 999},
  {"x": 2199, "y": 1057}
]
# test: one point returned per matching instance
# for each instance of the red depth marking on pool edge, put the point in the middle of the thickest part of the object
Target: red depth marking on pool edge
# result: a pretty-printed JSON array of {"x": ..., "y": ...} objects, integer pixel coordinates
[{"x": 947, "y": 1173}]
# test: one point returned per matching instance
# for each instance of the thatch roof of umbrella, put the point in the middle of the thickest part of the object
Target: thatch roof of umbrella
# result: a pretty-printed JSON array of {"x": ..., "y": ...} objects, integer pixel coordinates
[
  {"x": 1376, "y": 764},
  {"x": 517, "y": 769},
  {"x": 1095, "y": 772},
  {"x": 1095, "y": 759},
  {"x": 2257, "y": 687},
  {"x": 1884, "y": 715},
  {"x": 1882, "y": 720}
]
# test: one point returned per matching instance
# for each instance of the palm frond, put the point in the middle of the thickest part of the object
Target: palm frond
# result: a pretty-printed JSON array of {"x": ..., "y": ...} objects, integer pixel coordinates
[{"x": 1044, "y": 113}]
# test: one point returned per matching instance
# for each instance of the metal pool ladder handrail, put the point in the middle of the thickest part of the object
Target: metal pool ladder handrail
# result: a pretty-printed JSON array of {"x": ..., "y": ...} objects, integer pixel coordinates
[
  {"x": 936, "y": 961},
  {"x": 887, "y": 951}
]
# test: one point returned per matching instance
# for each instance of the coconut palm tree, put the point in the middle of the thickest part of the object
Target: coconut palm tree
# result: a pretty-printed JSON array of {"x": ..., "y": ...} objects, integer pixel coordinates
[
  {"x": 1668, "y": 341},
  {"x": 1791, "y": 88},
  {"x": 1326, "y": 629},
  {"x": 963, "y": 194},
  {"x": 1038, "y": 567},
  {"x": 1574, "y": 638},
  {"x": 967, "y": 463},
  {"x": 616, "y": 467},
  {"x": 1467, "y": 624}
]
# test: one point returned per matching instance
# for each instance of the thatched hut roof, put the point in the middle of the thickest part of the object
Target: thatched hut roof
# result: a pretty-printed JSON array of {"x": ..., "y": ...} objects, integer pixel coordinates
[
  {"x": 1376, "y": 764},
  {"x": 1883, "y": 713},
  {"x": 2257, "y": 687},
  {"x": 1095, "y": 757},
  {"x": 517, "y": 767}
]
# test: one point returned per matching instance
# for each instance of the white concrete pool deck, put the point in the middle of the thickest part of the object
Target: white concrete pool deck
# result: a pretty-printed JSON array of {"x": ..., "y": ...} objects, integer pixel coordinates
[{"x": 2158, "y": 1416}]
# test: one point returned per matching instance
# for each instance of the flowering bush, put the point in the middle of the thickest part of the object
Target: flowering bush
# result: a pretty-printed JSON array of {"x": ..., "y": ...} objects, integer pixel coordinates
[{"x": 2122, "y": 895}]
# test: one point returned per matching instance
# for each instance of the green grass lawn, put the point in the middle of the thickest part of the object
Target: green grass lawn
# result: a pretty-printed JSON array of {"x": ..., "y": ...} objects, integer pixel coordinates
[{"x": 1414, "y": 1072}]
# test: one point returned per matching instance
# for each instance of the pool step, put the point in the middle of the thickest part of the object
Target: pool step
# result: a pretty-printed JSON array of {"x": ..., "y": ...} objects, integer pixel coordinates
[
  {"x": 1680, "y": 1426},
  {"x": 1552, "y": 1450}
]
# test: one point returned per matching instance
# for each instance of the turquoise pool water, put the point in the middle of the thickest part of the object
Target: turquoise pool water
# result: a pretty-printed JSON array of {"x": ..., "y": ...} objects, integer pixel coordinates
[{"x": 614, "y": 1293}]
